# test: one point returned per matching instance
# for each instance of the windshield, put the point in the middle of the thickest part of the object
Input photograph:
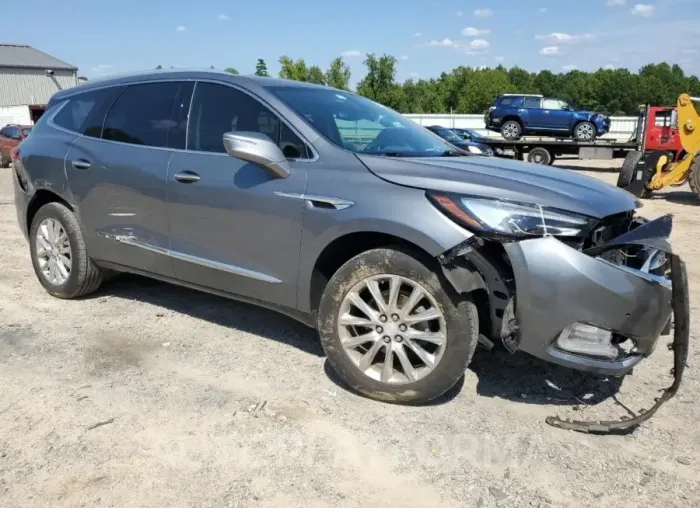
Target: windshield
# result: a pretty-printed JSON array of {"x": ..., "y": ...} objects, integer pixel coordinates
[
  {"x": 26, "y": 131},
  {"x": 447, "y": 134},
  {"x": 360, "y": 125}
]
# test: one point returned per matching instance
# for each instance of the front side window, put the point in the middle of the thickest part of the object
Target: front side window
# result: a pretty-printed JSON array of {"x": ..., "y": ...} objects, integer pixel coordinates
[
  {"x": 552, "y": 104},
  {"x": 360, "y": 125},
  {"x": 217, "y": 109},
  {"x": 143, "y": 114}
]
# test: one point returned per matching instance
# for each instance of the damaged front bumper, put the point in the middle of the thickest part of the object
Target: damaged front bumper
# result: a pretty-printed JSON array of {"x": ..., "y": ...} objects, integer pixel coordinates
[
  {"x": 558, "y": 287},
  {"x": 551, "y": 288}
]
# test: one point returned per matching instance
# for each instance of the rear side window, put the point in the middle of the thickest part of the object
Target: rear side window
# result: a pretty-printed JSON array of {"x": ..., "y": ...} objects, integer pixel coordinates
[
  {"x": 143, "y": 114},
  {"x": 85, "y": 113},
  {"x": 507, "y": 101},
  {"x": 217, "y": 109},
  {"x": 531, "y": 103}
]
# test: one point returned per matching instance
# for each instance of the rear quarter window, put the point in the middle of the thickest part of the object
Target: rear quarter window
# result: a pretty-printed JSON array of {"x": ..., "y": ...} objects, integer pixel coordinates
[
  {"x": 507, "y": 101},
  {"x": 85, "y": 113}
]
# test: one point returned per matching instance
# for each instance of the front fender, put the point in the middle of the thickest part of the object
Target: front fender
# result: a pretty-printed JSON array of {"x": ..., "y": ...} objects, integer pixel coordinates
[{"x": 406, "y": 214}]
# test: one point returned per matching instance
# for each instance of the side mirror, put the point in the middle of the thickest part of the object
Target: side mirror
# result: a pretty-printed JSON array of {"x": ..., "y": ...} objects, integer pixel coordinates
[{"x": 257, "y": 148}]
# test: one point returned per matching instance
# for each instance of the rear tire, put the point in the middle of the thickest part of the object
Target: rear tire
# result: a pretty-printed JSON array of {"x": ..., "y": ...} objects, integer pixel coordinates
[
  {"x": 539, "y": 155},
  {"x": 694, "y": 176},
  {"x": 407, "y": 271},
  {"x": 62, "y": 266},
  {"x": 628, "y": 169},
  {"x": 585, "y": 131},
  {"x": 511, "y": 130},
  {"x": 4, "y": 161}
]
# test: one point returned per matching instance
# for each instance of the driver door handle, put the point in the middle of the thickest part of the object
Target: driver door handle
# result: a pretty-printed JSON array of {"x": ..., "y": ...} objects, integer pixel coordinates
[{"x": 187, "y": 177}]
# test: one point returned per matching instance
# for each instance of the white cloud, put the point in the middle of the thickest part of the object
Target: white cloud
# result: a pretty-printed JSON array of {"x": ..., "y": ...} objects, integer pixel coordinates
[
  {"x": 417, "y": 34},
  {"x": 181, "y": 28},
  {"x": 644, "y": 10},
  {"x": 542, "y": 10},
  {"x": 460, "y": 14},
  {"x": 569, "y": 68},
  {"x": 445, "y": 42},
  {"x": 689, "y": 51},
  {"x": 483, "y": 13},
  {"x": 549, "y": 51},
  {"x": 609, "y": 67},
  {"x": 470, "y": 31},
  {"x": 479, "y": 44},
  {"x": 223, "y": 17},
  {"x": 613, "y": 3},
  {"x": 351, "y": 53},
  {"x": 500, "y": 58},
  {"x": 404, "y": 57},
  {"x": 563, "y": 37}
]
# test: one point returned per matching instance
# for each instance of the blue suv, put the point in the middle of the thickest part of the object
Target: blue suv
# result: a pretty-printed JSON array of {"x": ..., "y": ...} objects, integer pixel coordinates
[{"x": 517, "y": 115}]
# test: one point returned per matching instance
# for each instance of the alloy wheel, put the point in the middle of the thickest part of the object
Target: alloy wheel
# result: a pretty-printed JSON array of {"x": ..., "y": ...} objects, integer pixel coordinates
[
  {"x": 510, "y": 130},
  {"x": 585, "y": 131},
  {"x": 53, "y": 252},
  {"x": 392, "y": 329}
]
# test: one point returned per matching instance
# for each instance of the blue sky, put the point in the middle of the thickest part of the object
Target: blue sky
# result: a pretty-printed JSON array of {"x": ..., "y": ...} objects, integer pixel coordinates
[{"x": 427, "y": 36}]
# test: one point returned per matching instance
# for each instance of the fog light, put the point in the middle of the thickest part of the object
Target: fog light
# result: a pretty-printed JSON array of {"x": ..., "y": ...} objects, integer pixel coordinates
[{"x": 587, "y": 340}]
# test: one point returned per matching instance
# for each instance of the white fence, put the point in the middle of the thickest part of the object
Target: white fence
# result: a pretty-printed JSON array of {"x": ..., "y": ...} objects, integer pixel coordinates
[{"x": 621, "y": 127}]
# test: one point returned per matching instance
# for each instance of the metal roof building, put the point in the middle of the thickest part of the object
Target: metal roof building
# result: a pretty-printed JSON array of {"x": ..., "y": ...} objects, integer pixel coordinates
[{"x": 28, "y": 78}]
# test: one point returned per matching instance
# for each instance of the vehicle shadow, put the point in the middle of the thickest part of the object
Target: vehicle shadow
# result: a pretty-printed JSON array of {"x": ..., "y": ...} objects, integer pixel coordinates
[
  {"x": 525, "y": 379},
  {"x": 215, "y": 309},
  {"x": 589, "y": 169},
  {"x": 519, "y": 378},
  {"x": 687, "y": 198}
]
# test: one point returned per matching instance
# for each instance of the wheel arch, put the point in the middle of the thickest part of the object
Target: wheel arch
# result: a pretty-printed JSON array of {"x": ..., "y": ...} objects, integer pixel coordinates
[
  {"x": 345, "y": 247},
  {"x": 40, "y": 198}
]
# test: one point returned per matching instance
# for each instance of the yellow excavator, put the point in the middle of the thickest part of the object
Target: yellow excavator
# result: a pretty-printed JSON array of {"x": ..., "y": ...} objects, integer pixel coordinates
[{"x": 645, "y": 172}]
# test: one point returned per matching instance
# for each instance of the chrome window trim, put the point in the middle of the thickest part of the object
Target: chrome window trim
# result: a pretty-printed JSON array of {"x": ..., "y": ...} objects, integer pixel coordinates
[{"x": 216, "y": 265}]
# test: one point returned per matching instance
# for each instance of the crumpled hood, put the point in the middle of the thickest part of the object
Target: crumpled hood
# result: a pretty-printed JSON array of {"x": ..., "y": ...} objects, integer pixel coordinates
[{"x": 497, "y": 178}]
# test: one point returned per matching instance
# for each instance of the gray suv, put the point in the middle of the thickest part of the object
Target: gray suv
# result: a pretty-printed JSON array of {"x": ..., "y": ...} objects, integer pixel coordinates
[{"x": 402, "y": 252}]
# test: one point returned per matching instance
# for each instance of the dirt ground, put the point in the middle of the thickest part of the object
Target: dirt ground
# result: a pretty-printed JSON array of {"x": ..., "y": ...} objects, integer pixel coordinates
[{"x": 151, "y": 395}]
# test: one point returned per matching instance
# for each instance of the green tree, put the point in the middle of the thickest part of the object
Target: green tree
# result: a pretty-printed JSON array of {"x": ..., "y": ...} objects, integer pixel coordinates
[
  {"x": 261, "y": 68},
  {"x": 289, "y": 69},
  {"x": 379, "y": 84},
  {"x": 316, "y": 75},
  {"x": 231, "y": 70},
  {"x": 338, "y": 75},
  {"x": 159, "y": 67}
]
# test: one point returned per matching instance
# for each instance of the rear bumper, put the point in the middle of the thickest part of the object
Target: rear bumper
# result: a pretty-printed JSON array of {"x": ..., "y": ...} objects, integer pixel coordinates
[
  {"x": 558, "y": 286},
  {"x": 22, "y": 200}
]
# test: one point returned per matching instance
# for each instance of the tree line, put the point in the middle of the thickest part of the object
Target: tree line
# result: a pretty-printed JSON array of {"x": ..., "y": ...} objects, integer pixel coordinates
[{"x": 472, "y": 90}]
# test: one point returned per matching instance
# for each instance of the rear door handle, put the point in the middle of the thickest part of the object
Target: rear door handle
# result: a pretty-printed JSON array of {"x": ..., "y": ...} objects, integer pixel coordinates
[
  {"x": 81, "y": 164},
  {"x": 187, "y": 177}
]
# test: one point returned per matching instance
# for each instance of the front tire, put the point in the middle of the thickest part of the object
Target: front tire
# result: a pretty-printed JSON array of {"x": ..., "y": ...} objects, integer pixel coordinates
[
  {"x": 585, "y": 131},
  {"x": 393, "y": 330},
  {"x": 59, "y": 255}
]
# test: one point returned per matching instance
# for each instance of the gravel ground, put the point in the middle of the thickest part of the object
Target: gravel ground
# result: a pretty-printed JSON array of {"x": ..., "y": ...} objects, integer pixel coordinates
[{"x": 151, "y": 395}]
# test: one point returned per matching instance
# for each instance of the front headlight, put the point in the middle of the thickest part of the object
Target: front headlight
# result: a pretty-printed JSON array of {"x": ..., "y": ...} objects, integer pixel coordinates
[
  {"x": 513, "y": 219},
  {"x": 475, "y": 150}
]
